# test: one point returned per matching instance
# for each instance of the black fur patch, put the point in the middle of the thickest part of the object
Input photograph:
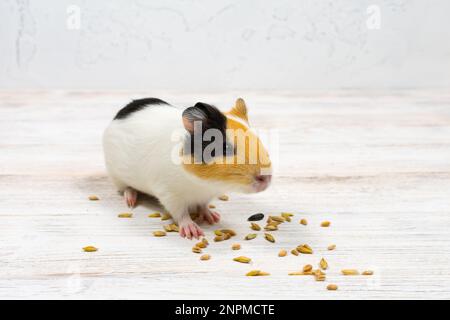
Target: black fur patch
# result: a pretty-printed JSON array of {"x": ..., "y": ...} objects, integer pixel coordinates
[
  {"x": 211, "y": 118},
  {"x": 137, "y": 105}
]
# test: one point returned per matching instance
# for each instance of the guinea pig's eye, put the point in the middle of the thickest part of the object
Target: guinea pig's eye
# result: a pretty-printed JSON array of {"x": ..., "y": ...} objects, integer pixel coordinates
[{"x": 229, "y": 149}]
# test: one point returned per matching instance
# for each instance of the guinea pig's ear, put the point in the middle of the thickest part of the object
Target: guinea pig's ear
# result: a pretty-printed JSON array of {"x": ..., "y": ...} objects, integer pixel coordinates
[
  {"x": 240, "y": 109},
  {"x": 209, "y": 116}
]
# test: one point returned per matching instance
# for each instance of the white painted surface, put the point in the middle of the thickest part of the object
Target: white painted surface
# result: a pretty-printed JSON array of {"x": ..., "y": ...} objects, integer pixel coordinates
[
  {"x": 224, "y": 44},
  {"x": 376, "y": 164}
]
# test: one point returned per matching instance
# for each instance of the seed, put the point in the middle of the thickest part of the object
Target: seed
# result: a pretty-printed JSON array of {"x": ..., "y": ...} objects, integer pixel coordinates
[
  {"x": 94, "y": 198},
  {"x": 205, "y": 241},
  {"x": 270, "y": 227},
  {"x": 287, "y": 216},
  {"x": 159, "y": 233},
  {"x": 196, "y": 249},
  {"x": 200, "y": 245},
  {"x": 256, "y": 217},
  {"x": 211, "y": 206},
  {"x": 229, "y": 231},
  {"x": 205, "y": 257},
  {"x": 90, "y": 249},
  {"x": 278, "y": 219},
  {"x": 242, "y": 259},
  {"x": 305, "y": 249},
  {"x": 255, "y": 226},
  {"x": 282, "y": 253},
  {"x": 332, "y": 287},
  {"x": 325, "y": 224},
  {"x": 257, "y": 273},
  {"x": 218, "y": 238},
  {"x": 165, "y": 216},
  {"x": 236, "y": 246},
  {"x": 323, "y": 264},
  {"x": 218, "y": 233},
  {"x": 367, "y": 273},
  {"x": 171, "y": 227},
  {"x": 303, "y": 222},
  {"x": 269, "y": 237},
  {"x": 319, "y": 275},
  {"x": 273, "y": 223},
  {"x": 250, "y": 236},
  {"x": 349, "y": 272},
  {"x": 125, "y": 215},
  {"x": 224, "y": 197},
  {"x": 155, "y": 215},
  {"x": 331, "y": 247},
  {"x": 294, "y": 252},
  {"x": 307, "y": 268}
]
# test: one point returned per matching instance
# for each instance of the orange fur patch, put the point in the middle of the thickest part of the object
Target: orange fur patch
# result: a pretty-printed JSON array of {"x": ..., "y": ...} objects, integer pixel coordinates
[{"x": 241, "y": 168}]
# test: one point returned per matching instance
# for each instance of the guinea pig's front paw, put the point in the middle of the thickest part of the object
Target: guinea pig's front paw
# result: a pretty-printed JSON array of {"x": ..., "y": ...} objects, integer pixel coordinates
[
  {"x": 210, "y": 216},
  {"x": 189, "y": 229}
]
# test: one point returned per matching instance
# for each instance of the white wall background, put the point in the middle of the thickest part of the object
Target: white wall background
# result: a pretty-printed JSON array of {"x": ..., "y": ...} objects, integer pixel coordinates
[{"x": 223, "y": 44}]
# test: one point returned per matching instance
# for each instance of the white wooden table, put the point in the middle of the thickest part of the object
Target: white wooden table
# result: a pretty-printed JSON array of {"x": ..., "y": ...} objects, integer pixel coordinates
[{"x": 375, "y": 164}]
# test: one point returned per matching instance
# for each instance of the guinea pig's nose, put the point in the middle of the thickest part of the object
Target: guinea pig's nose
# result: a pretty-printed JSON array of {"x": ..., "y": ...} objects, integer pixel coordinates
[{"x": 265, "y": 178}]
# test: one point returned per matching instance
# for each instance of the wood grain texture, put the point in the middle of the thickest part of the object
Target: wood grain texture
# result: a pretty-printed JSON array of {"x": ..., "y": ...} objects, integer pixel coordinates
[{"x": 375, "y": 164}]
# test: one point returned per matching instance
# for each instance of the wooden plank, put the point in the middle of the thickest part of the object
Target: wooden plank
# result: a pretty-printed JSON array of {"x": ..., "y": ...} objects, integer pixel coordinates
[{"x": 374, "y": 164}]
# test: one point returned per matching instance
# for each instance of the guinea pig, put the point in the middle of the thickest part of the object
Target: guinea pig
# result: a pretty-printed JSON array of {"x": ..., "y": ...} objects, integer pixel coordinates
[{"x": 184, "y": 157}]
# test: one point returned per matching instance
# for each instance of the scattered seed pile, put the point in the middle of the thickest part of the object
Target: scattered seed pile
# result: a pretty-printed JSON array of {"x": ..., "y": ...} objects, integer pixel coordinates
[{"x": 272, "y": 224}]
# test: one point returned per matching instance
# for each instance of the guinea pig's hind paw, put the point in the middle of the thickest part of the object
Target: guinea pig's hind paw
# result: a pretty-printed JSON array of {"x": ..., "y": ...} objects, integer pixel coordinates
[
  {"x": 130, "y": 197},
  {"x": 190, "y": 230}
]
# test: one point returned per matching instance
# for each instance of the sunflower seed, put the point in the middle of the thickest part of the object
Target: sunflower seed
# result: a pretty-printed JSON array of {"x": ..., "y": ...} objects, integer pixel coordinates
[
  {"x": 205, "y": 257},
  {"x": 125, "y": 215},
  {"x": 331, "y": 247},
  {"x": 294, "y": 252},
  {"x": 211, "y": 206},
  {"x": 94, "y": 198},
  {"x": 236, "y": 246},
  {"x": 303, "y": 222},
  {"x": 159, "y": 233},
  {"x": 256, "y": 217}
]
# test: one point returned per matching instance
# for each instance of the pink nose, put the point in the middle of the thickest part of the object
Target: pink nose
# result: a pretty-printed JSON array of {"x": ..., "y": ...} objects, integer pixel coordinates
[
  {"x": 262, "y": 182},
  {"x": 263, "y": 178}
]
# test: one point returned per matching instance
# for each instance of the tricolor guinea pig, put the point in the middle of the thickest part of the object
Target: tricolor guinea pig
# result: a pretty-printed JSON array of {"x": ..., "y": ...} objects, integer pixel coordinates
[{"x": 184, "y": 157}]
